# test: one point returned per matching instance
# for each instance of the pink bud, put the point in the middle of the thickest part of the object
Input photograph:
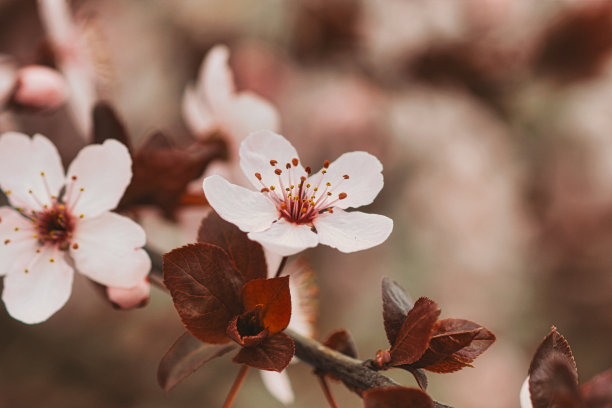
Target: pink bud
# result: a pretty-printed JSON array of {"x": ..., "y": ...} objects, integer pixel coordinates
[
  {"x": 40, "y": 88},
  {"x": 129, "y": 298}
]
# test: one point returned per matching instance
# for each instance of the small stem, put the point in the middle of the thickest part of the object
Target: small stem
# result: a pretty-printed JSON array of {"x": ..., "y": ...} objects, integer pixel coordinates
[
  {"x": 281, "y": 266},
  {"x": 327, "y": 392},
  {"x": 237, "y": 384}
]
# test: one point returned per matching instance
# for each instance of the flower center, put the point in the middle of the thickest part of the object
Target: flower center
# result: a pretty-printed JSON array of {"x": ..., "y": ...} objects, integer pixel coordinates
[
  {"x": 300, "y": 197},
  {"x": 55, "y": 226}
]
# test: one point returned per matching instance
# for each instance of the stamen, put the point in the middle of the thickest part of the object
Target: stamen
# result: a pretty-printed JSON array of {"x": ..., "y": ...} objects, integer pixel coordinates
[
  {"x": 75, "y": 246},
  {"x": 51, "y": 260},
  {"x": 326, "y": 163},
  {"x": 346, "y": 176},
  {"x": 328, "y": 184},
  {"x": 273, "y": 163},
  {"x": 7, "y": 241},
  {"x": 272, "y": 188},
  {"x": 308, "y": 169},
  {"x": 265, "y": 190},
  {"x": 342, "y": 196},
  {"x": 278, "y": 172},
  {"x": 258, "y": 176},
  {"x": 287, "y": 166}
]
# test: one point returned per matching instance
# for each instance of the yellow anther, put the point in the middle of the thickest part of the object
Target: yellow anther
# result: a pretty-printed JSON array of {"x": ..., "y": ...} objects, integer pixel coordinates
[
  {"x": 82, "y": 189},
  {"x": 328, "y": 184},
  {"x": 82, "y": 216},
  {"x": 51, "y": 260},
  {"x": 30, "y": 191},
  {"x": 35, "y": 236},
  {"x": 42, "y": 173},
  {"x": 272, "y": 187},
  {"x": 307, "y": 185},
  {"x": 26, "y": 271},
  {"x": 16, "y": 229},
  {"x": 316, "y": 189},
  {"x": 62, "y": 207},
  {"x": 8, "y": 192},
  {"x": 323, "y": 171},
  {"x": 38, "y": 251}
]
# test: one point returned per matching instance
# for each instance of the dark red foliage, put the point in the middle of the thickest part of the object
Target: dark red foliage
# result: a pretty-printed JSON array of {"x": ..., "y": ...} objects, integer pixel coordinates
[
  {"x": 161, "y": 170},
  {"x": 420, "y": 341},
  {"x": 396, "y": 397},
  {"x": 221, "y": 295},
  {"x": 553, "y": 378}
]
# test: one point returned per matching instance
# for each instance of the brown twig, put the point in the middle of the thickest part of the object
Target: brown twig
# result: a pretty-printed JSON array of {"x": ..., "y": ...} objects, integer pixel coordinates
[{"x": 237, "y": 384}]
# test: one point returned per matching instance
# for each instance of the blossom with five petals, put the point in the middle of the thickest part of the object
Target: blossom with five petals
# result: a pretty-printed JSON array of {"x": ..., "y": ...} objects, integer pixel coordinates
[
  {"x": 295, "y": 209},
  {"x": 58, "y": 222}
]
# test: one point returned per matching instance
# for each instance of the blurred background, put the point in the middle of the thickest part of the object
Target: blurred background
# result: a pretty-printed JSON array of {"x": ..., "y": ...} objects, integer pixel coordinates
[{"x": 492, "y": 118}]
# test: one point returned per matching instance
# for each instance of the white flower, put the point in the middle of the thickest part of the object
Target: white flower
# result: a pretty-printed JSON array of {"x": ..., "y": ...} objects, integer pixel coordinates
[
  {"x": 58, "y": 222},
  {"x": 213, "y": 105},
  {"x": 75, "y": 60},
  {"x": 294, "y": 209}
]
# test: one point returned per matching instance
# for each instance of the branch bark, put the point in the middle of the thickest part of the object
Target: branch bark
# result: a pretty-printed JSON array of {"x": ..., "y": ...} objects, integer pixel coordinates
[{"x": 351, "y": 371}]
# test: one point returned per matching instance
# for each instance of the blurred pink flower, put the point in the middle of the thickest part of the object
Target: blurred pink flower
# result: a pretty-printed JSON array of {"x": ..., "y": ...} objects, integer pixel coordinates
[
  {"x": 212, "y": 105},
  {"x": 58, "y": 221},
  {"x": 130, "y": 298},
  {"x": 74, "y": 59},
  {"x": 40, "y": 87},
  {"x": 295, "y": 210}
]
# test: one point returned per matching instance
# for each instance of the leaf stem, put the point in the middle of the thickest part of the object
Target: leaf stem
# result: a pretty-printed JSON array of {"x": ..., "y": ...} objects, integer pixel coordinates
[
  {"x": 237, "y": 384},
  {"x": 281, "y": 266},
  {"x": 327, "y": 392}
]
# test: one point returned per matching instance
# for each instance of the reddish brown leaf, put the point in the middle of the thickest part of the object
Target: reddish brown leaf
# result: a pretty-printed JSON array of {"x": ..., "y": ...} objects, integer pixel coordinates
[
  {"x": 247, "y": 329},
  {"x": 553, "y": 383},
  {"x": 275, "y": 298},
  {"x": 395, "y": 307},
  {"x": 396, "y": 397},
  {"x": 413, "y": 337},
  {"x": 107, "y": 125},
  {"x": 246, "y": 254},
  {"x": 186, "y": 355},
  {"x": 554, "y": 342},
  {"x": 205, "y": 288},
  {"x": 162, "y": 171},
  {"x": 597, "y": 393},
  {"x": 273, "y": 354},
  {"x": 341, "y": 341},
  {"x": 455, "y": 343}
]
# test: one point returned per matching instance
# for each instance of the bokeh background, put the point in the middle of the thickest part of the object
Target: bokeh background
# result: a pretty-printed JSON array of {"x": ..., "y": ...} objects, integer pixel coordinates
[{"x": 493, "y": 120}]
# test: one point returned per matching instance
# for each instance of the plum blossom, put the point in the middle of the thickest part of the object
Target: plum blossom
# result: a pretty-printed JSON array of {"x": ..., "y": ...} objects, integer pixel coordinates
[
  {"x": 57, "y": 223},
  {"x": 212, "y": 105},
  {"x": 293, "y": 208},
  {"x": 75, "y": 59}
]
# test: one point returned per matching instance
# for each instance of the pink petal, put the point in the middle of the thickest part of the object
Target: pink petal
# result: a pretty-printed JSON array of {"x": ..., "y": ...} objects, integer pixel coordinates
[
  {"x": 247, "y": 209},
  {"x": 215, "y": 80},
  {"x": 364, "y": 180},
  {"x": 57, "y": 21},
  {"x": 16, "y": 247},
  {"x": 525, "y": 395},
  {"x": 352, "y": 231},
  {"x": 40, "y": 87},
  {"x": 23, "y": 161},
  {"x": 258, "y": 149},
  {"x": 197, "y": 115},
  {"x": 109, "y": 250},
  {"x": 247, "y": 113},
  {"x": 35, "y": 296},
  {"x": 129, "y": 298},
  {"x": 8, "y": 78},
  {"x": 103, "y": 172},
  {"x": 286, "y": 238},
  {"x": 278, "y": 385}
]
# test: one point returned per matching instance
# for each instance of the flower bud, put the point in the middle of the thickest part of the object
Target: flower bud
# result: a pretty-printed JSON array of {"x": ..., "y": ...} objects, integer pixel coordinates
[
  {"x": 130, "y": 298},
  {"x": 39, "y": 88}
]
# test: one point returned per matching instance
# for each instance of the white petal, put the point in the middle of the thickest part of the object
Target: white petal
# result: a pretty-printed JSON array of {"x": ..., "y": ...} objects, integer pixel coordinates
[
  {"x": 215, "y": 80},
  {"x": 23, "y": 161},
  {"x": 83, "y": 95},
  {"x": 352, "y": 231},
  {"x": 16, "y": 247},
  {"x": 365, "y": 178},
  {"x": 35, "y": 296},
  {"x": 129, "y": 298},
  {"x": 103, "y": 172},
  {"x": 278, "y": 385},
  {"x": 57, "y": 20},
  {"x": 197, "y": 114},
  {"x": 247, "y": 113},
  {"x": 525, "y": 396},
  {"x": 273, "y": 262},
  {"x": 286, "y": 238},
  {"x": 247, "y": 209},
  {"x": 109, "y": 250},
  {"x": 303, "y": 297},
  {"x": 258, "y": 149}
]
